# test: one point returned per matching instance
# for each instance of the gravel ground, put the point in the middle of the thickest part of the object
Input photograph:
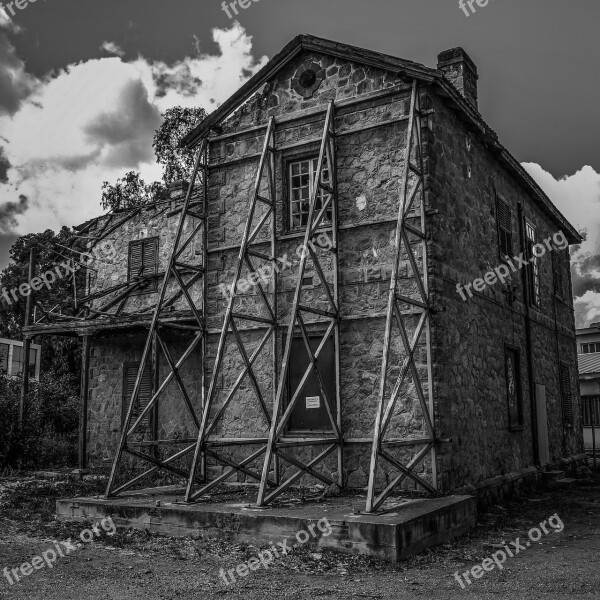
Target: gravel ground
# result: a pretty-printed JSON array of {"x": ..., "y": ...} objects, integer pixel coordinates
[{"x": 140, "y": 566}]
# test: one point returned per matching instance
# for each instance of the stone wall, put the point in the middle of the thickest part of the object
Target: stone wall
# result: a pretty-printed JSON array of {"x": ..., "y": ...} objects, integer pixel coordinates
[
  {"x": 469, "y": 337},
  {"x": 370, "y": 164},
  {"x": 111, "y": 269},
  {"x": 108, "y": 356}
]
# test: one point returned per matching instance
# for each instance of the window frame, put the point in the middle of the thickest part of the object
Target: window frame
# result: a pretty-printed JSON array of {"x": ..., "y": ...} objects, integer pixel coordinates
[
  {"x": 566, "y": 395},
  {"x": 558, "y": 283},
  {"x": 288, "y": 162},
  {"x": 533, "y": 266},
  {"x": 294, "y": 432},
  {"x": 152, "y": 285},
  {"x": 34, "y": 369},
  {"x": 590, "y": 410},
  {"x": 502, "y": 230},
  {"x": 134, "y": 366},
  {"x": 516, "y": 351}
]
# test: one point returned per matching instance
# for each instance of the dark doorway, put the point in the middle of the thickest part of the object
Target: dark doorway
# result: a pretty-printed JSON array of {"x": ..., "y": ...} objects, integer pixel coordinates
[{"x": 310, "y": 412}]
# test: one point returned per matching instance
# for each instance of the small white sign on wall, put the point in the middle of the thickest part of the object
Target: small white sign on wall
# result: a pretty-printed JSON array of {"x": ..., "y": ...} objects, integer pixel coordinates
[{"x": 313, "y": 402}]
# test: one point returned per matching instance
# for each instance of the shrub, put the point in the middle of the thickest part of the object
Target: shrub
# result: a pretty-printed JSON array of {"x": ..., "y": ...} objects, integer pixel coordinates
[{"x": 50, "y": 432}]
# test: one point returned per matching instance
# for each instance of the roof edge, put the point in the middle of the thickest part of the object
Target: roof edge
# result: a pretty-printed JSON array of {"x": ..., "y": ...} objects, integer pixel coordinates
[{"x": 386, "y": 61}]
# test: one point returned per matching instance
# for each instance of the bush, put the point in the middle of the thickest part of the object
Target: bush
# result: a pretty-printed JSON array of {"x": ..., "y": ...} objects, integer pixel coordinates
[{"x": 50, "y": 432}]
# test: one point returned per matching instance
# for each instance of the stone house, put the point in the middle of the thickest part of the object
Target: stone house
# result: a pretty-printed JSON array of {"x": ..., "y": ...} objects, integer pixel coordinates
[{"x": 488, "y": 390}]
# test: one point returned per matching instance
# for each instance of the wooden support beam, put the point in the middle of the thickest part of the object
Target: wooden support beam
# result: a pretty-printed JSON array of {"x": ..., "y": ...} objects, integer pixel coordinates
[{"x": 84, "y": 394}]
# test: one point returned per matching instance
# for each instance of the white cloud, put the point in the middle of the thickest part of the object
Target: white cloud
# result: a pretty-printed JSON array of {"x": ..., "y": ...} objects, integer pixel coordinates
[
  {"x": 577, "y": 196},
  {"x": 15, "y": 83},
  {"x": 112, "y": 48},
  {"x": 94, "y": 120}
]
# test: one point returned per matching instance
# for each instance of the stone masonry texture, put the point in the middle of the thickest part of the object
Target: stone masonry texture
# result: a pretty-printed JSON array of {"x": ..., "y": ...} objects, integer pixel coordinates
[{"x": 468, "y": 339}]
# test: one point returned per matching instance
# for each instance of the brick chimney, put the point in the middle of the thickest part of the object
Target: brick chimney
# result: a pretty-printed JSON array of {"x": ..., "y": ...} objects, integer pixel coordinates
[
  {"x": 178, "y": 190},
  {"x": 460, "y": 70}
]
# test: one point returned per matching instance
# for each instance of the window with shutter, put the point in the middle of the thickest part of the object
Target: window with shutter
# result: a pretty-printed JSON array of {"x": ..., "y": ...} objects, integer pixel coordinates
[
  {"x": 533, "y": 269},
  {"x": 504, "y": 220},
  {"x": 513, "y": 388},
  {"x": 565, "y": 392},
  {"x": 130, "y": 371},
  {"x": 590, "y": 410},
  {"x": 143, "y": 261},
  {"x": 557, "y": 273}
]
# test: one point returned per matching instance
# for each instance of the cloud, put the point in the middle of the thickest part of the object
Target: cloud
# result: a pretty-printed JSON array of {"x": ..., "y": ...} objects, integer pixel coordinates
[
  {"x": 127, "y": 131},
  {"x": 207, "y": 79},
  {"x": 112, "y": 48},
  {"x": 578, "y": 197},
  {"x": 94, "y": 120},
  {"x": 6, "y": 242},
  {"x": 8, "y": 212},
  {"x": 179, "y": 79},
  {"x": 4, "y": 166},
  {"x": 15, "y": 83}
]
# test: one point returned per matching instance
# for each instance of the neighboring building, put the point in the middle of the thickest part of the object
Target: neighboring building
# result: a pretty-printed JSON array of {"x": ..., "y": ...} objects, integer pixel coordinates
[
  {"x": 588, "y": 348},
  {"x": 12, "y": 359},
  {"x": 497, "y": 371}
]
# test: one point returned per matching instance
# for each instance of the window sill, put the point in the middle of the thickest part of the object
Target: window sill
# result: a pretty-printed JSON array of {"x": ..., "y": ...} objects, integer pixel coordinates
[{"x": 301, "y": 433}]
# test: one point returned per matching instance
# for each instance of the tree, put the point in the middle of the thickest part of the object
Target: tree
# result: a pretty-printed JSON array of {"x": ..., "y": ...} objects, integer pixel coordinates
[
  {"x": 131, "y": 191},
  {"x": 60, "y": 355},
  {"x": 178, "y": 162}
]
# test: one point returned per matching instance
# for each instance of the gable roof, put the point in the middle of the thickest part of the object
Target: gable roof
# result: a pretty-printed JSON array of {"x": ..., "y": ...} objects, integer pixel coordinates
[{"x": 407, "y": 68}]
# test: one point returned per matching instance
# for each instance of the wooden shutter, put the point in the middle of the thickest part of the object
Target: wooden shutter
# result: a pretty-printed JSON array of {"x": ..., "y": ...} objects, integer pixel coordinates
[
  {"x": 136, "y": 260},
  {"x": 504, "y": 220},
  {"x": 557, "y": 273},
  {"x": 513, "y": 388},
  {"x": 130, "y": 371},
  {"x": 151, "y": 260},
  {"x": 143, "y": 260},
  {"x": 565, "y": 392}
]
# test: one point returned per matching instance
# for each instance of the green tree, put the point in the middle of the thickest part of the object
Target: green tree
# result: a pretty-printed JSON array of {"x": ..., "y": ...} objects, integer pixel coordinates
[
  {"x": 50, "y": 433},
  {"x": 177, "y": 162},
  {"x": 131, "y": 191},
  {"x": 59, "y": 354}
]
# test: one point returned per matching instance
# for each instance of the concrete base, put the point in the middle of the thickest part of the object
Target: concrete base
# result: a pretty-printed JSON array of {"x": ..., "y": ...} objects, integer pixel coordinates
[
  {"x": 405, "y": 529},
  {"x": 497, "y": 489}
]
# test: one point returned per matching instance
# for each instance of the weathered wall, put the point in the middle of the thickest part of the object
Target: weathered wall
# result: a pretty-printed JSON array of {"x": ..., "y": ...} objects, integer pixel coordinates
[
  {"x": 111, "y": 269},
  {"x": 370, "y": 165},
  {"x": 469, "y": 337},
  {"x": 107, "y": 358}
]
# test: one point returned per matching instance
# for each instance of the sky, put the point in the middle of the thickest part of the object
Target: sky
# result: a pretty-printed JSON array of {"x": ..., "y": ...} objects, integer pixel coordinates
[{"x": 83, "y": 84}]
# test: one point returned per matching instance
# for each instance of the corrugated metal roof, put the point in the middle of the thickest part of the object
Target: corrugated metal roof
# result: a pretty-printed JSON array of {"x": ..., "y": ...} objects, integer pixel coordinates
[{"x": 589, "y": 363}]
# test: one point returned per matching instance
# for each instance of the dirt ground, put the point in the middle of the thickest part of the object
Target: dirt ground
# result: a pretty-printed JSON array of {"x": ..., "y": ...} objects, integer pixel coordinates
[{"x": 135, "y": 565}]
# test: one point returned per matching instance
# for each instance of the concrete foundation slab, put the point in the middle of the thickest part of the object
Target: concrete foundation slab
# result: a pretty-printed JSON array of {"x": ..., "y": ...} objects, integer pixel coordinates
[{"x": 408, "y": 527}]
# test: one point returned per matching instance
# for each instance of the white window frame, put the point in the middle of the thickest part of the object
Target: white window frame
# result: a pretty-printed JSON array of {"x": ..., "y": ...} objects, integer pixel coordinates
[
  {"x": 312, "y": 168},
  {"x": 11, "y": 344}
]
